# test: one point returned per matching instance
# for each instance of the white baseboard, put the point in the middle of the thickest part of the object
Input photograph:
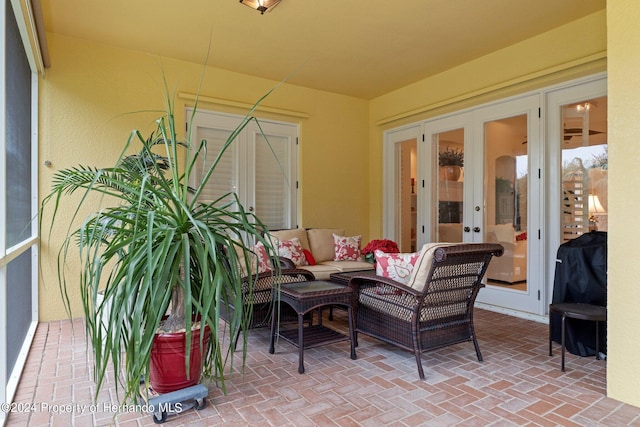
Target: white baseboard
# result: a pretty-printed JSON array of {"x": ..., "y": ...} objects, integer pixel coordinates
[{"x": 515, "y": 313}]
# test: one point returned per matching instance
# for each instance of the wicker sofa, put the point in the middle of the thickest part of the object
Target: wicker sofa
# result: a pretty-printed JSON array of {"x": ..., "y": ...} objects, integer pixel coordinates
[
  {"x": 320, "y": 244},
  {"x": 435, "y": 308}
]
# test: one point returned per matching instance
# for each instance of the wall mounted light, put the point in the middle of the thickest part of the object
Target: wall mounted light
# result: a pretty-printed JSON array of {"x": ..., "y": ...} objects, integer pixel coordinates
[{"x": 261, "y": 5}]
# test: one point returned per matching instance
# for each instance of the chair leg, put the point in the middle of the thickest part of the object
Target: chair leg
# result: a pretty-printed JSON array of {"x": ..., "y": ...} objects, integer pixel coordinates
[
  {"x": 597, "y": 340},
  {"x": 475, "y": 344},
  {"x": 419, "y": 362},
  {"x": 235, "y": 342},
  {"x": 417, "y": 351},
  {"x": 563, "y": 333},
  {"x": 472, "y": 331},
  {"x": 550, "y": 349}
]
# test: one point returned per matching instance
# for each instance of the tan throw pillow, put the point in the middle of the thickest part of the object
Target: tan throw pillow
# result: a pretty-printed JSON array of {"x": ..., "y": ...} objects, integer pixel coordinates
[
  {"x": 300, "y": 233},
  {"x": 321, "y": 243},
  {"x": 423, "y": 265}
]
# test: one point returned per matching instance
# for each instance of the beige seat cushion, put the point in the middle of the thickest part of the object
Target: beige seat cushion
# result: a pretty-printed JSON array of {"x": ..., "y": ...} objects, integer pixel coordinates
[
  {"x": 321, "y": 243},
  {"x": 345, "y": 266},
  {"x": 321, "y": 271}
]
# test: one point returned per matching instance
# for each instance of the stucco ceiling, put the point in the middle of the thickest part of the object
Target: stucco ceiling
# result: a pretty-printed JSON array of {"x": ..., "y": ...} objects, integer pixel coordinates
[{"x": 358, "y": 48}]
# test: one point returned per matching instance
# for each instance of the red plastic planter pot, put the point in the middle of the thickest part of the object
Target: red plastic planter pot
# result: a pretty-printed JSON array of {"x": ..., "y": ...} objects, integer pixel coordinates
[{"x": 168, "y": 371}]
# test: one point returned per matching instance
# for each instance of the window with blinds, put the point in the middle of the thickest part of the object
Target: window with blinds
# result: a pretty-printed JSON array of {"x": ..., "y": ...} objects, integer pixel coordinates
[
  {"x": 272, "y": 186},
  {"x": 223, "y": 181},
  {"x": 259, "y": 166}
]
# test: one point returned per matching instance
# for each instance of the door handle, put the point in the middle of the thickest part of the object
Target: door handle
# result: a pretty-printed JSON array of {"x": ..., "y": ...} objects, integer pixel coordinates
[
  {"x": 476, "y": 229},
  {"x": 467, "y": 229}
]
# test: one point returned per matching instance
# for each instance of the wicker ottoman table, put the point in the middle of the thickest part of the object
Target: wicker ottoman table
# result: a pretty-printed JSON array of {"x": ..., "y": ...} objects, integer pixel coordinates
[{"x": 304, "y": 297}]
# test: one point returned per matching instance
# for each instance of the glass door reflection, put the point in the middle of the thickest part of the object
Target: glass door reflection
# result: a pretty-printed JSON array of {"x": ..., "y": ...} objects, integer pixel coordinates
[
  {"x": 450, "y": 182},
  {"x": 506, "y": 180},
  {"x": 584, "y": 168}
]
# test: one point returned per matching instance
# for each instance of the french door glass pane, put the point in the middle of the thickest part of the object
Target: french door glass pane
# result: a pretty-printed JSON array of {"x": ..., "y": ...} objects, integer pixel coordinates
[
  {"x": 450, "y": 149},
  {"x": 584, "y": 168},
  {"x": 506, "y": 181}
]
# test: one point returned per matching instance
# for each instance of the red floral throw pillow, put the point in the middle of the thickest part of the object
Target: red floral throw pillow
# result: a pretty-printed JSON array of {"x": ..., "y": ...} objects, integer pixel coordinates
[
  {"x": 292, "y": 249},
  {"x": 264, "y": 264},
  {"x": 346, "y": 248},
  {"x": 397, "y": 267}
]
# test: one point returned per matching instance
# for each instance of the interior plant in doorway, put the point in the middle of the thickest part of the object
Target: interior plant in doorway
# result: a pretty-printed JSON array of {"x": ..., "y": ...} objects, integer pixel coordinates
[
  {"x": 164, "y": 261},
  {"x": 451, "y": 161},
  {"x": 451, "y": 157}
]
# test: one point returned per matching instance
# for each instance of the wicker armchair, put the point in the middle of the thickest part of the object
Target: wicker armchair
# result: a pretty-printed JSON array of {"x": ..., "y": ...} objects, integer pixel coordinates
[
  {"x": 256, "y": 292},
  {"x": 436, "y": 316}
]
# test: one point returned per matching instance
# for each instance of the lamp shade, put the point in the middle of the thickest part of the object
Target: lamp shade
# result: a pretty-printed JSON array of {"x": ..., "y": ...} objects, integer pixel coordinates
[
  {"x": 261, "y": 5},
  {"x": 595, "y": 207}
]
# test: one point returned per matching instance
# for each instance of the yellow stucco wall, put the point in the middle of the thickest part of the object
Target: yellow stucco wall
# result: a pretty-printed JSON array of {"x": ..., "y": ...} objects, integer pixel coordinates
[
  {"x": 623, "y": 363},
  {"x": 89, "y": 89}
]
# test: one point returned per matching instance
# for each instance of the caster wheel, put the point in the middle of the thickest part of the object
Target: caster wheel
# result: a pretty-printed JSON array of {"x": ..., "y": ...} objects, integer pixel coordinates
[
  {"x": 162, "y": 419},
  {"x": 200, "y": 403}
]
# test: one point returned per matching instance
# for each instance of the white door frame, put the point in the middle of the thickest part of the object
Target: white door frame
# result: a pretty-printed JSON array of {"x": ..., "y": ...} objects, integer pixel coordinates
[
  {"x": 499, "y": 298},
  {"x": 391, "y": 139},
  {"x": 581, "y": 90},
  {"x": 427, "y": 210}
]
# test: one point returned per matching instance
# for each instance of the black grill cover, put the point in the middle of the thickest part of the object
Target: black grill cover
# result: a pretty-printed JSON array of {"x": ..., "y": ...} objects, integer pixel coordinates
[{"x": 581, "y": 276}]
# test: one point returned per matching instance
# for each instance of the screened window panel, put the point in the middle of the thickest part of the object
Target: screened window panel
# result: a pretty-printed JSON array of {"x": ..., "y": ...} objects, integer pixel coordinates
[
  {"x": 272, "y": 180},
  {"x": 18, "y": 137},
  {"x": 224, "y": 179},
  {"x": 19, "y": 303}
]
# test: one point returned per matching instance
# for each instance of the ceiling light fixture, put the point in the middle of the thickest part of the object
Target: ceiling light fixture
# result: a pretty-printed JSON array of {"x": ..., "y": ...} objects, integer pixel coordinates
[
  {"x": 261, "y": 5},
  {"x": 583, "y": 107}
]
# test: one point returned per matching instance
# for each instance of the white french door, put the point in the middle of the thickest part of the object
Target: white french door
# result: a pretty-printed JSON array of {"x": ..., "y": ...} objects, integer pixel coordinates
[
  {"x": 400, "y": 186},
  {"x": 533, "y": 176},
  {"x": 506, "y": 201},
  {"x": 260, "y": 166},
  {"x": 494, "y": 198}
]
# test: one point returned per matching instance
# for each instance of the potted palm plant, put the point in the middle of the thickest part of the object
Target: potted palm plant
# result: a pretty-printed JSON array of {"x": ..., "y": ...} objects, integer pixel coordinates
[{"x": 163, "y": 262}]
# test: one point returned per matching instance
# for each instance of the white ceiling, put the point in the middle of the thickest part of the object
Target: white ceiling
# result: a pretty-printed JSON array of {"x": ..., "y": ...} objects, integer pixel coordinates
[{"x": 358, "y": 48}]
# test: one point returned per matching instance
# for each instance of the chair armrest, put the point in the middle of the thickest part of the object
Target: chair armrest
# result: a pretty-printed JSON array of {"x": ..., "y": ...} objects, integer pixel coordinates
[
  {"x": 283, "y": 262},
  {"x": 385, "y": 285},
  {"x": 376, "y": 296},
  {"x": 298, "y": 272},
  {"x": 257, "y": 288}
]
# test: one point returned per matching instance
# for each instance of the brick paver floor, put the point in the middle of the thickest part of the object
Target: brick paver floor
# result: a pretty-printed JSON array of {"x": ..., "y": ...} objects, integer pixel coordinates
[{"x": 517, "y": 384}]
